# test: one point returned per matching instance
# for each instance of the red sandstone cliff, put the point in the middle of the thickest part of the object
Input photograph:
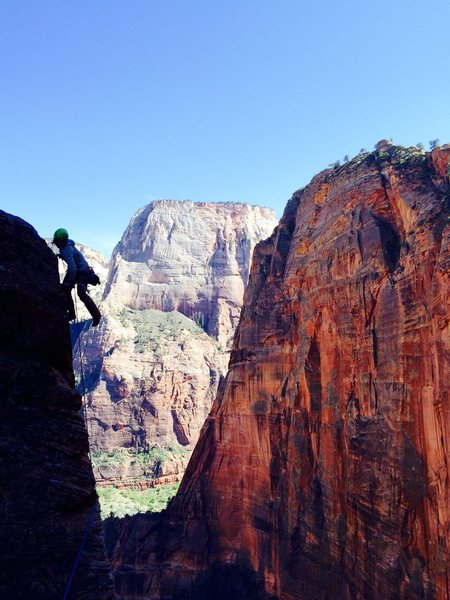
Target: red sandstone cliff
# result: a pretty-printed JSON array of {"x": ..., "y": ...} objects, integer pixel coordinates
[
  {"x": 47, "y": 493},
  {"x": 322, "y": 471}
]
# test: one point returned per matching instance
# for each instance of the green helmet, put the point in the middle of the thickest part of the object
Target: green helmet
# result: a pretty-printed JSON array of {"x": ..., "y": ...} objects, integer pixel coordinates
[{"x": 61, "y": 234}]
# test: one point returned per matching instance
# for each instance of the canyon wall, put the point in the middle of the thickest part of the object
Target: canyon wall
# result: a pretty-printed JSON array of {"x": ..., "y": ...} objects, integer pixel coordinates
[
  {"x": 150, "y": 378},
  {"x": 322, "y": 471},
  {"x": 192, "y": 257},
  {"x": 152, "y": 367},
  {"x": 48, "y": 503}
]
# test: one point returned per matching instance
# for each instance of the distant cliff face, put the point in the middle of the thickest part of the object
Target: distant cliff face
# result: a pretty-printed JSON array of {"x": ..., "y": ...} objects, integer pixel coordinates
[
  {"x": 47, "y": 494},
  {"x": 190, "y": 257},
  {"x": 151, "y": 370},
  {"x": 151, "y": 378},
  {"x": 322, "y": 471}
]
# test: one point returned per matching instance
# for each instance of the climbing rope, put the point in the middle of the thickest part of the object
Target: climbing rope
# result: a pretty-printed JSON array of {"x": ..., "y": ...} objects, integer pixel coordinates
[
  {"x": 82, "y": 378},
  {"x": 80, "y": 358},
  {"x": 86, "y": 421},
  {"x": 80, "y": 552}
]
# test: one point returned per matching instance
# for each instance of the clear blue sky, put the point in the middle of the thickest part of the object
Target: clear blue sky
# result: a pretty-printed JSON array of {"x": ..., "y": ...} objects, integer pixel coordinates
[{"x": 106, "y": 105}]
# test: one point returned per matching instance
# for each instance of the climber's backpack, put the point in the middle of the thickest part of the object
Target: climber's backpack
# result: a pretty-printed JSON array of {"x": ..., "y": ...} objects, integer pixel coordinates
[{"x": 94, "y": 279}]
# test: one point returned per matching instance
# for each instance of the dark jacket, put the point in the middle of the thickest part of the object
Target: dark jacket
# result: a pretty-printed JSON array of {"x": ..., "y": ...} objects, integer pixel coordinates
[{"x": 76, "y": 262}]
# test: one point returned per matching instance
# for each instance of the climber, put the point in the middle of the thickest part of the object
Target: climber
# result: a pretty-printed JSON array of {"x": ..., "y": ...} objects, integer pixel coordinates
[{"x": 78, "y": 273}]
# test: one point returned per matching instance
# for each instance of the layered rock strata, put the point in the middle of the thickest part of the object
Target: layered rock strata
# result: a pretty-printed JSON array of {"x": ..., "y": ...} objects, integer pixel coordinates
[
  {"x": 48, "y": 501},
  {"x": 150, "y": 379},
  {"x": 322, "y": 471},
  {"x": 171, "y": 304},
  {"x": 190, "y": 257}
]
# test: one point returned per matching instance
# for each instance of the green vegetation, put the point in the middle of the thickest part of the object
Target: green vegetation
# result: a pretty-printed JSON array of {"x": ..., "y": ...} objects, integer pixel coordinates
[
  {"x": 120, "y": 502},
  {"x": 154, "y": 328},
  {"x": 148, "y": 459},
  {"x": 409, "y": 155},
  {"x": 400, "y": 154},
  {"x": 152, "y": 455},
  {"x": 115, "y": 458}
]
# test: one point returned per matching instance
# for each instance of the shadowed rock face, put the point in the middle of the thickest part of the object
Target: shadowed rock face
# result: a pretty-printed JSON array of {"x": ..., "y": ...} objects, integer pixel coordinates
[
  {"x": 47, "y": 487},
  {"x": 322, "y": 471}
]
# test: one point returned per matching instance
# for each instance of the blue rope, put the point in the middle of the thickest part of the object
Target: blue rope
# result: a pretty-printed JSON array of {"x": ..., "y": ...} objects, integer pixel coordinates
[
  {"x": 80, "y": 552},
  {"x": 82, "y": 380},
  {"x": 89, "y": 522}
]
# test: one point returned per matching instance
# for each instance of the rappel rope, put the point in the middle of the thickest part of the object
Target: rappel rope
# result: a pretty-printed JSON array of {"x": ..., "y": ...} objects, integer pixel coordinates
[
  {"x": 86, "y": 421},
  {"x": 82, "y": 378},
  {"x": 80, "y": 552}
]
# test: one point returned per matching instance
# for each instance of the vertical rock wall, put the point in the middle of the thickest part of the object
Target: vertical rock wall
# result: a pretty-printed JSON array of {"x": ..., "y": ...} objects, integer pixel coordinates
[
  {"x": 47, "y": 496},
  {"x": 322, "y": 471},
  {"x": 191, "y": 257}
]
